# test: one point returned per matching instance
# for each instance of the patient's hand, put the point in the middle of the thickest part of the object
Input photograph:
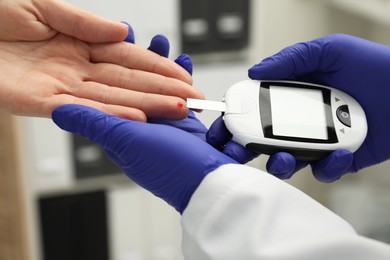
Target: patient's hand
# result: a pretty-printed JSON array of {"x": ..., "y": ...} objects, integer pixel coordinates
[
  {"x": 52, "y": 53},
  {"x": 118, "y": 78}
]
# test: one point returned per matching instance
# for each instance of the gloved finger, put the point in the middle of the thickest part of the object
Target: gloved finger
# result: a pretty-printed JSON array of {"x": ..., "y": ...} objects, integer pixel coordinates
[
  {"x": 298, "y": 59},
  {"x": 218, "y": 135},
  {"x": 333, "y": 167},
  {"x": 283, "y": 165},
  {"x": 238, "y": 152},
  {"x": 185, "y": 61},
  {"x": 130, "y": 33},
  {"x": 160, "y": 45}
]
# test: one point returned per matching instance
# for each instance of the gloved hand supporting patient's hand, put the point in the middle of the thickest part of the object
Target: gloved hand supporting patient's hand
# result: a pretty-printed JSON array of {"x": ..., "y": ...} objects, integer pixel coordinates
[
  {"x": 353, "y": 65},
  {"x": 165, "y": 160},
  {"x": 217, "y": 136},
  {"x": 160, "y": 45}
]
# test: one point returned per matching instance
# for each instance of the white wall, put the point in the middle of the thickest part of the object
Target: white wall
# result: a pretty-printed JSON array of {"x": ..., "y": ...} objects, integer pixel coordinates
[{"x": 279, "y": 23}]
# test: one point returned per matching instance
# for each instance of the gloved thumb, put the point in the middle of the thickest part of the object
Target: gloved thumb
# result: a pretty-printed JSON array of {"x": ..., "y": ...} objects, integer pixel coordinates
[{"x": 88, "y": 122}]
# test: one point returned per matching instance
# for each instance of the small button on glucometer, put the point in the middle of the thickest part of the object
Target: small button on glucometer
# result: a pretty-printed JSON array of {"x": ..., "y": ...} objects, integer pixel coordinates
[{"x": 343, "y": 115}]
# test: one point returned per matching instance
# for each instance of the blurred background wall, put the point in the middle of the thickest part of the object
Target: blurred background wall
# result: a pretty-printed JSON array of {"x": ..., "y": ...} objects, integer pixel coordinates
[{"x": 77, "y": 205}]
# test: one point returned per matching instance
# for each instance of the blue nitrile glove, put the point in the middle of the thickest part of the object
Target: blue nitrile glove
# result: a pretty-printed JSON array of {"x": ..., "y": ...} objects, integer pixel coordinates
[
  {"x": 219, "y": 137},
  {"x": 357, "y": 67},
  {"x": 164, "y": 160},
  {"x": 160, "y": 45}
]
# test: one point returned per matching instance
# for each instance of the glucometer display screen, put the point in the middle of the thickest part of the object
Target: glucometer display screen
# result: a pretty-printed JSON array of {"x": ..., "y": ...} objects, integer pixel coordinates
[{"x": 298, "y": 112}]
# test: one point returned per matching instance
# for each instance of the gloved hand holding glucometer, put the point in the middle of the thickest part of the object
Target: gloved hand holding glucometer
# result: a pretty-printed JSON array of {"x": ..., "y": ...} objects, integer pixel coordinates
[
  {"x": 352, "y": 65},
  {"x": 306, "y": 120}
]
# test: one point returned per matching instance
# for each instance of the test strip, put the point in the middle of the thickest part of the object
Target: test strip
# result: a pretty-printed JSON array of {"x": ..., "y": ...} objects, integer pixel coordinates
[{"x": 206, "y": 105}]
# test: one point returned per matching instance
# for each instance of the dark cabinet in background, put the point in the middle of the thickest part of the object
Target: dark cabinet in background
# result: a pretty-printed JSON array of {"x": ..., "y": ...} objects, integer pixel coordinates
[{"x": 74, "y": 227}]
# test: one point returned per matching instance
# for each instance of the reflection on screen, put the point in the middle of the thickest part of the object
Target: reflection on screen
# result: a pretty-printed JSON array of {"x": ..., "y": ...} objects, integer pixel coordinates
[{"x": 298, "y": 112}]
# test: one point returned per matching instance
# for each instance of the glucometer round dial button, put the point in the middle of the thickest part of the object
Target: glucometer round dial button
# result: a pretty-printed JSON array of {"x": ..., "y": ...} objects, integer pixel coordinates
[{"x": 343, "y": 115}]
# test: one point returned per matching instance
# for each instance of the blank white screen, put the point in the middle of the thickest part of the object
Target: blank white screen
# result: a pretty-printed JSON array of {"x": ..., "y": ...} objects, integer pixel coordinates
[{"x": 298, "y": 112}]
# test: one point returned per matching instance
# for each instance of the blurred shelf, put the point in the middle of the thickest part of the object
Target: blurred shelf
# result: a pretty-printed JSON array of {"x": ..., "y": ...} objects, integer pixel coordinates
[{"x": 374, "y": 10}]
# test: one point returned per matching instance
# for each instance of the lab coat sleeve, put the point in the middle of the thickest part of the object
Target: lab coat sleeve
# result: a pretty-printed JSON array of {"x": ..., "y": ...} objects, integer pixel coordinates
[{"x": 241, "y": 213}]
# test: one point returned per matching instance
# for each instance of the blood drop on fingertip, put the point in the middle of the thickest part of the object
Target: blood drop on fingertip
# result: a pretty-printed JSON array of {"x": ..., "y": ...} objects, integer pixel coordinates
[{"x": 180, "y": 105}]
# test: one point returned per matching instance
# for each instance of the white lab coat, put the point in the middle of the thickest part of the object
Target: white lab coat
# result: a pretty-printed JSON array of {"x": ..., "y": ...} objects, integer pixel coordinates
[{"x": 241, "y": 213}]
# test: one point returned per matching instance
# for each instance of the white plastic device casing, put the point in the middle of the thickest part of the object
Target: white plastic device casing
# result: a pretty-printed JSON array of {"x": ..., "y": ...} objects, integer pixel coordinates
[{"x": 243, "y": 119}]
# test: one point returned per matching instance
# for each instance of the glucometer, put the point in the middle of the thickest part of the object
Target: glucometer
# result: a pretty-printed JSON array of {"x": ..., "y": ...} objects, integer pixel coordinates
[{"x": 307, "y": 120}]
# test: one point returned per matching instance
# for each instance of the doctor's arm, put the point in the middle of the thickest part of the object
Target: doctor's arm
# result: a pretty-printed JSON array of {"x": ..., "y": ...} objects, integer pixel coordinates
[
  {"x": 53, "y": 53},
  {"x": 353, "y": 65},
  {"x": 229, "y": 211}
]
